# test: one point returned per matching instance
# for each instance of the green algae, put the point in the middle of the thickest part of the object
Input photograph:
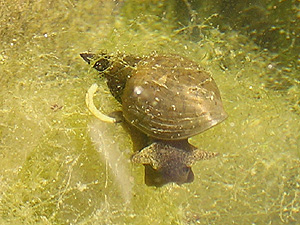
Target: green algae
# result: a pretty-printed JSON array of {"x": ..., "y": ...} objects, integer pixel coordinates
[{"x": 53, "y": 173}]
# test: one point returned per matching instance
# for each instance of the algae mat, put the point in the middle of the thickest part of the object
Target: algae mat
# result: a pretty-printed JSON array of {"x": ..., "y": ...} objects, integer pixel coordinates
[{"x": 60, "y": 165}]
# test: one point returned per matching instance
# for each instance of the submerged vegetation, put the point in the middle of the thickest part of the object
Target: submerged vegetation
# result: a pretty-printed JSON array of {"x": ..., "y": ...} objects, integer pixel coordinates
[{"x": 53, "y": 164}]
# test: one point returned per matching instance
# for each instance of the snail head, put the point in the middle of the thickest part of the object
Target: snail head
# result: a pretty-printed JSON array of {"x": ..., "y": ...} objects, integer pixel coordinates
[{"x": 172, "y": 160}]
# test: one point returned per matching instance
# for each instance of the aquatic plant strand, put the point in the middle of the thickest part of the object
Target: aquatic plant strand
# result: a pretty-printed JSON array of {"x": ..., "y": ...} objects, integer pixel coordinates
[{"x": 91, "y": 106}]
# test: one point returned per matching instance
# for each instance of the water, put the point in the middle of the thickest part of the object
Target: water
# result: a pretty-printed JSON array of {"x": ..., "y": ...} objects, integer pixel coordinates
[{"x": 54, "y": 163}]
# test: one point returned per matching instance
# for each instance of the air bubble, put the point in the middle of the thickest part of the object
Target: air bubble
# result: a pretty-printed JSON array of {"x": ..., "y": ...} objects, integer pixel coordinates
[{"x": 138, "y": 90}]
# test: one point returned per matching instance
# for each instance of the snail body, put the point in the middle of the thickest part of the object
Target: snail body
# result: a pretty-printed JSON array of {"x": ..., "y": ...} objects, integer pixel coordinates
[{"x": 168, "y": 97}]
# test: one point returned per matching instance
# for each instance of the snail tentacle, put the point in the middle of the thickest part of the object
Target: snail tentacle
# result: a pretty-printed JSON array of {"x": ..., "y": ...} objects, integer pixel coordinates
[{"x": 198, "y": 154}]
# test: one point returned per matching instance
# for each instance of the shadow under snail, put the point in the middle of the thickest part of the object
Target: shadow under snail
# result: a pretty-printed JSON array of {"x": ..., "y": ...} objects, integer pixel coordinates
[{"x": 167, "y": 97}]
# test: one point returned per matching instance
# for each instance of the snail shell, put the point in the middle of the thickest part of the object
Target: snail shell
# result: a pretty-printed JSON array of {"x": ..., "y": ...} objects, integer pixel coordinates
[{"x": 171, "y": 98}]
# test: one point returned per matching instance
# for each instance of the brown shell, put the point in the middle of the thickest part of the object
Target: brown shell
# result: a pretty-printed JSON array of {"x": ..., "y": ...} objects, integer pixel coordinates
[{"x": 171, "y": 97}]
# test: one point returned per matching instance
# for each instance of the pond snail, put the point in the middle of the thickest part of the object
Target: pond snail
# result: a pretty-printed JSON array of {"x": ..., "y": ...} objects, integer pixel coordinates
[{"x": 168, "y": 97}]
